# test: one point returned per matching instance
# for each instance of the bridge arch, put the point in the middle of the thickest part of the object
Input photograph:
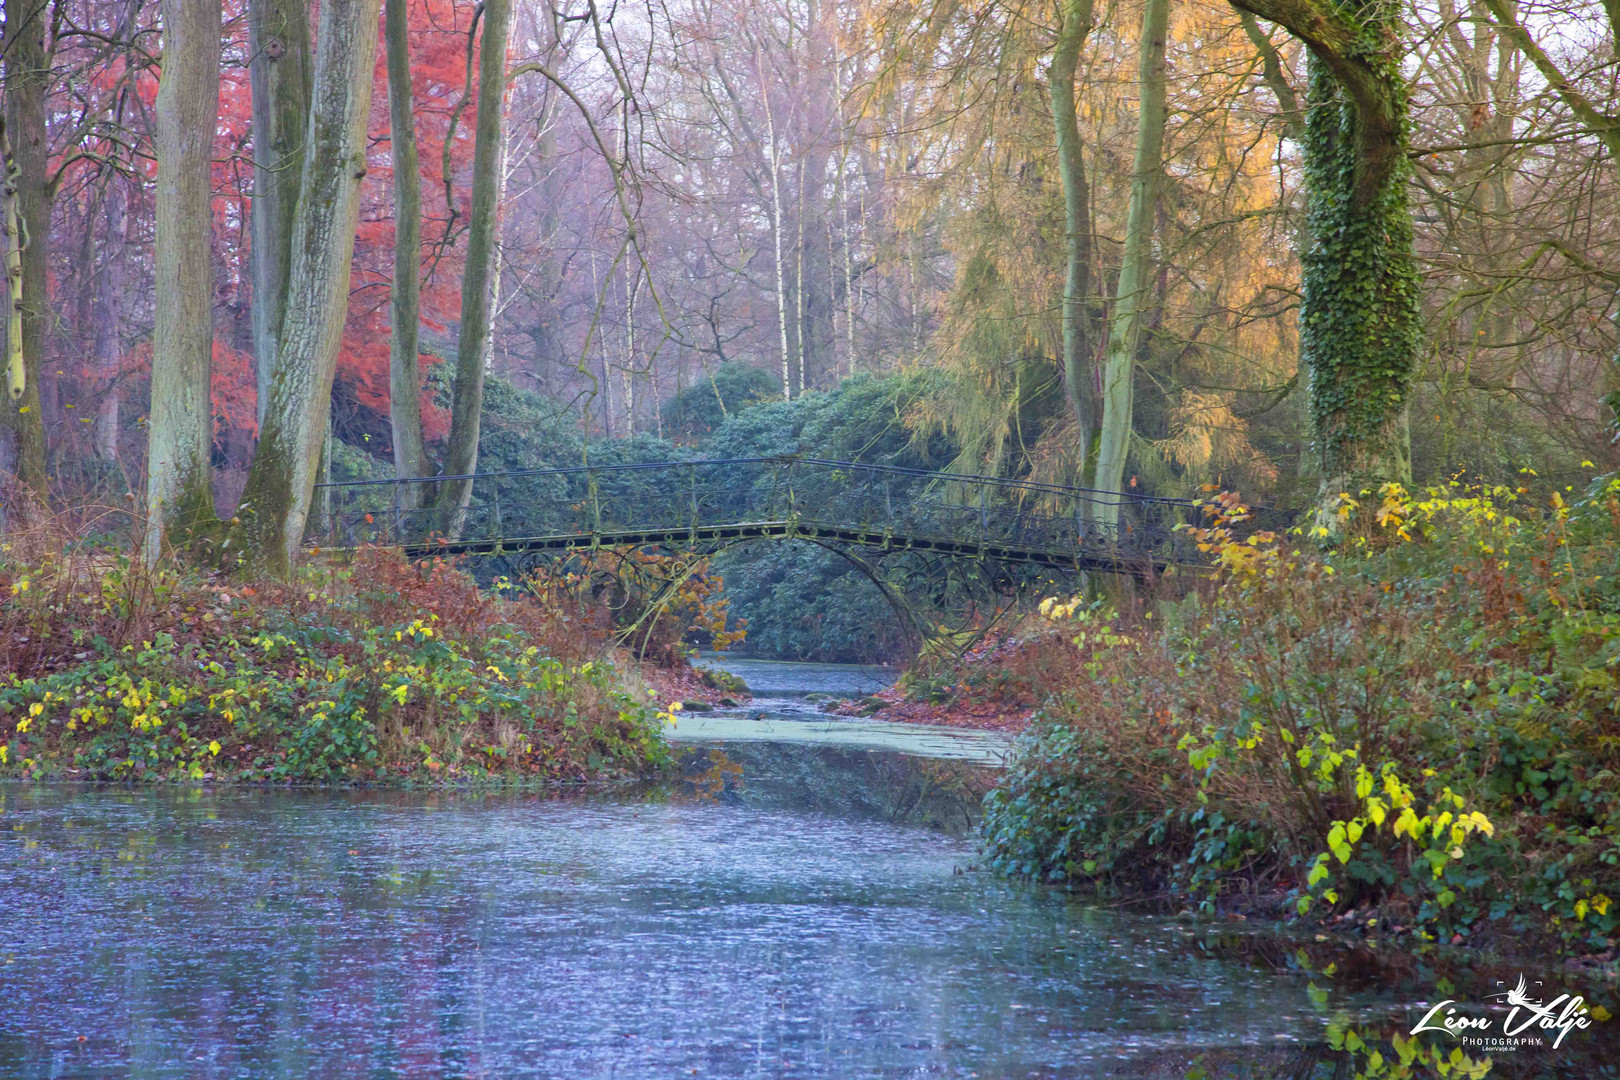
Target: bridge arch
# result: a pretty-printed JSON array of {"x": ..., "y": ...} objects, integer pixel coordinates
[{"x": 876, "y": 517}]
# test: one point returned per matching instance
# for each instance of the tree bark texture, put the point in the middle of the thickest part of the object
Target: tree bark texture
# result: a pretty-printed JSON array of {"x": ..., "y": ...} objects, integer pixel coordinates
[
  {"x": 27, "y": 77},
  {"x": 179, "y": 495},
  {"x": 478, "y": 276},
  {"x": 278, "y": 74},
  {"x": 1135, "y": 271},
  {"x": 1078, "y": 374},
  {"x": 281, "y": 484},
  {"x": 1359, "y": 326},
  {"x": 405, "y": 297}
]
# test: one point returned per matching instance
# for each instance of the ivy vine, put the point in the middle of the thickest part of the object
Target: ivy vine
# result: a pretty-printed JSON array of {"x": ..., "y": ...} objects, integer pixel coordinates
[{"x": 1359, "y": 326}]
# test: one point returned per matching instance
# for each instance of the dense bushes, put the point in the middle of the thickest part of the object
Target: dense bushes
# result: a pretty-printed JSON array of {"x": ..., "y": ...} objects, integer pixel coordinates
[
  {"x": 804, "y": 602},
  {"x": 378, "y": 669},
  {"x": 1422, "y": 729},
  {"x": 704, "y": 406}
]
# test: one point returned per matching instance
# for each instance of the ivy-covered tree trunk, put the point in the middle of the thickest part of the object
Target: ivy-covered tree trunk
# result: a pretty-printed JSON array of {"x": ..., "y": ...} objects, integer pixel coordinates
[
  {"x": 477, "y": 279},
  {"x": 179, "y": 490},
  {"x": 1135, "y": 279},
  {"x": 1359, "y": 329},
  {"x": 1078, "y": 373},
  {"x": 278, "y": 74},
  {"x": 405, "y": 299},
  {"x": 22, "y": 423},
  {"x": 281, "y": 483}
]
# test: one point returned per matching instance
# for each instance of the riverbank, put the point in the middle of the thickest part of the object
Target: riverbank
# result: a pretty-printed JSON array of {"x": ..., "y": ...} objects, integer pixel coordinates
[
  {"x": 1414, "y": 738},
  {"x": 996, "y": 686},
  {"x": 375, "y": 671}
]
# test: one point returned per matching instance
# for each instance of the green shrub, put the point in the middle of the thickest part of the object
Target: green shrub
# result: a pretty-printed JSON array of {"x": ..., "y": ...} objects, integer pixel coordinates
[
  {"x": 696, "y": 411},
  {"x": 1422, "y": 728}
]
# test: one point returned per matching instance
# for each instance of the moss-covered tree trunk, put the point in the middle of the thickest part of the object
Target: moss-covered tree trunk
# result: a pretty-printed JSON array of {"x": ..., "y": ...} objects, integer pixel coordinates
[
  {"x": 22, "y": 423},
  {"x": 278, "y": 74},
  {"x": 179, "y": 492},
  {"x": 477, "y": 279},
  {"x": 405, "y": 298},
  {"x": 1135, "y": 271},
  {"x": 1359, "y": 329},
  {"x": 281, "y": 484},
  {"x": 1078, "y": 369}
]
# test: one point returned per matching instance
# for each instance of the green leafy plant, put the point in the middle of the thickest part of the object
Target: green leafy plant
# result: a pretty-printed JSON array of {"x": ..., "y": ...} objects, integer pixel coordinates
[{"x": 1420, "y": 731}]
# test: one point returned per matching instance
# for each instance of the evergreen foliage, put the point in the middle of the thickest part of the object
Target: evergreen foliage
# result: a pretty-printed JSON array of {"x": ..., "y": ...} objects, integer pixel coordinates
[{"x": 697, "y": 411}]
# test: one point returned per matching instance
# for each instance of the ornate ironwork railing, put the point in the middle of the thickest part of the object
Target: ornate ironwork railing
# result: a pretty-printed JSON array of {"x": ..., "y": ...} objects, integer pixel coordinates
[{"x": 671, "y": 502}]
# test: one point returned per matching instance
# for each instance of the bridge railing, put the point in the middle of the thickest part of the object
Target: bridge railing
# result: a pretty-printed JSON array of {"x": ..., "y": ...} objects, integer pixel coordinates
[{"x": 873, "y": 500}]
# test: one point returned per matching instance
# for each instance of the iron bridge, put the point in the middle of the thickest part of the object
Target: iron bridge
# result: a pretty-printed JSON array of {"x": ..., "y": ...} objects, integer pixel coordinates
[{"x": 706, "y": 505}]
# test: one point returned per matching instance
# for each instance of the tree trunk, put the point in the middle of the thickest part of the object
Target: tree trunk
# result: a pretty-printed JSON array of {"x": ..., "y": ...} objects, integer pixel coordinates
[
  {"x": 1077, "y": 361},
  {"x": 477, "y": 279},
  {"x": 627, "y": 374},
  {"x": 281, "y": 483},
  {"x": 1125, "y": 326},
  {"x": 22, "y": 422},
  {"x": 405, "y": 297},
  {"x": 179, "y": 492},
  {"x": 801, "y": 303},
  {"x": 278, "y": 73},
  {"x": 550, "y": 352},
  {"x": 108, "y": 312},
  {"x": 774, "y": 160},
  {"x": 841, "y": 199},
  {"x": 16, "y": 366},
  {"x": 1271, "y": 70},
  {"x": 1359, "y": 326}
]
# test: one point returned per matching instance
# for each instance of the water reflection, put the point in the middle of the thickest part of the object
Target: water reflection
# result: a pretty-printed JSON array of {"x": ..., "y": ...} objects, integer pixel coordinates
[{"x": 319, "y": 933}]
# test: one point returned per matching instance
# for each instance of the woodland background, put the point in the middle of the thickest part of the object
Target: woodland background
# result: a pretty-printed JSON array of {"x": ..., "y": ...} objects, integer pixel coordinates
[{"x": 852, "y": 209}]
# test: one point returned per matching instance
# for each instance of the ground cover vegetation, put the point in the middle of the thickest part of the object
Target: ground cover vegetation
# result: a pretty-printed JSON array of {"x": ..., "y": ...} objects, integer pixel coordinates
[
  {"x": 371, "y": 670},
  {"x": 1417, "y": 733}
]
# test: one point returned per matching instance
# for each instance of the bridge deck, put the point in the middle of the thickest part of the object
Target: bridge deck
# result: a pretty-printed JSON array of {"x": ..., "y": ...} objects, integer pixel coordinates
[
  {"x": 711, "y": 503},
  {"x": 813, "y": 531}
]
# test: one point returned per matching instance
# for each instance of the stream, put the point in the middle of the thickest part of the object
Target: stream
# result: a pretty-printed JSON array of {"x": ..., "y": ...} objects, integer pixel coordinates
[{"x": 805, "y": 904}]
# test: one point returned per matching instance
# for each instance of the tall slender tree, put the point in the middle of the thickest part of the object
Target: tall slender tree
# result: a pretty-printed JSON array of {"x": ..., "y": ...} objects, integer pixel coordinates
[
  {"x": 278, "y": 74},
  {"x": 1078, "y": 371},
  {"x": 179, "y": 490},
  {"x": 108, "y": 317},
  {"x": 27, "y": 81},
  {"x": 1135, "y": 277},
  {"x": 281, "y": 483},
  {"x": 405, "y": 296},
  {"x": 477, "y": 281}
]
